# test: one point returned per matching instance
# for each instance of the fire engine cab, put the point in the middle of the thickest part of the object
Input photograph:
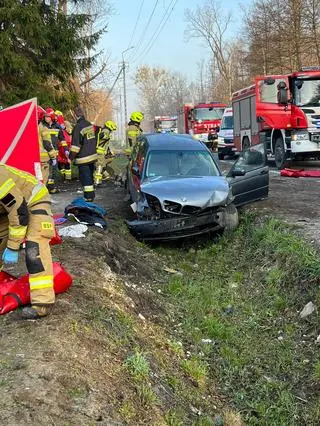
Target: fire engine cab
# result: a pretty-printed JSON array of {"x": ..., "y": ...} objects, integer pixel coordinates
[
  {"x": 202, "y": 120},
  {"x": 283, "y": 111}
]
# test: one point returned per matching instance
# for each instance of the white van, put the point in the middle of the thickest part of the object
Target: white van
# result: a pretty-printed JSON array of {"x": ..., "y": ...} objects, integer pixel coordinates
[{"x": 225, "y": 135}]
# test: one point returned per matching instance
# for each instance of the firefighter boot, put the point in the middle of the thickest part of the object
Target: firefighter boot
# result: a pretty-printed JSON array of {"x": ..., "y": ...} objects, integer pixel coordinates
[
  {"x": 105, "y": 175},
  {"x": 68, "y": 174},
  {"x": 34, "y": 312}
]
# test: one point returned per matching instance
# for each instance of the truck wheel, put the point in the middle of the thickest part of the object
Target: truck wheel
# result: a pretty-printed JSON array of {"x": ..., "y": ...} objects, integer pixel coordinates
[
  {"x": 231, "y": 218},
  {"x": 245, "y": 143},
  {"x": 280, "y": 155},
  {"x": 220, "y": 156}
]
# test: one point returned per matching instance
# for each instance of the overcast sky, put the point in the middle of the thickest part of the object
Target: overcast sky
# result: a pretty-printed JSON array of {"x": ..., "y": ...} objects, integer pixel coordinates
[{"x": 169, "y": 49}]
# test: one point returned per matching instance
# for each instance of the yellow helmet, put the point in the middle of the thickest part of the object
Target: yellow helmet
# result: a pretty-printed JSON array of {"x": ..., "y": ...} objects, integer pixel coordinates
[
  {"x": 137, "y": 116},
  {"x": 111, "y": 125},
  {"x": 57, "y": 112}
]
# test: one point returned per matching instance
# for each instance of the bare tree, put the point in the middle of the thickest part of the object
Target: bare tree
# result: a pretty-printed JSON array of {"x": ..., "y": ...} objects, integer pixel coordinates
[
  {"x": 161, "y": 91},
  {"x": 210, "y": 23}
]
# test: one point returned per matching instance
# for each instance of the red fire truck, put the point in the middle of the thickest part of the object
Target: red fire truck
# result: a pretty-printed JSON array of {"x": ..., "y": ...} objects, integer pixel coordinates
[
  {"x": 202, "y": 121},
  {"x": 282, "y": 111},
  {"x": 165, "y": 124}
]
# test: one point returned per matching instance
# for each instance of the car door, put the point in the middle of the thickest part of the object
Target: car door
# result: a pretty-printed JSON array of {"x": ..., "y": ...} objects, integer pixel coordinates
[
  {"x": 249, "y": 175},
  {"x": 136, "y": 168}
]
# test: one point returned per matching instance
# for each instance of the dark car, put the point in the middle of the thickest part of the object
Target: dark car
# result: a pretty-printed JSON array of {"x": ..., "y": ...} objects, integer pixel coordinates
[{"x": 178, "y": 190}]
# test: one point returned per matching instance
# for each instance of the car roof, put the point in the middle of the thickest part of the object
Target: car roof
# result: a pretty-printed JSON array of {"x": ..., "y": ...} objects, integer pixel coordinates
[{"x": 173, "y": 141}]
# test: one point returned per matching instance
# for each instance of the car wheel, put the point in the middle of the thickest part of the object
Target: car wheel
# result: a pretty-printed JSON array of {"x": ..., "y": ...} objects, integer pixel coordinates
[
  {"x": 280, "y": 155},
  {"x": 220, "y": 156},
  {"x": 245, "y": 143},
  {"x": 231, "y": 218}
]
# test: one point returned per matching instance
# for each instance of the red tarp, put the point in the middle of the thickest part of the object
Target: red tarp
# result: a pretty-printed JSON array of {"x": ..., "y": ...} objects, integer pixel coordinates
[
  {"x": 300, "y": 173},
  {"x": 15, "y": 292},
  {"x": 19, "y": 143}
]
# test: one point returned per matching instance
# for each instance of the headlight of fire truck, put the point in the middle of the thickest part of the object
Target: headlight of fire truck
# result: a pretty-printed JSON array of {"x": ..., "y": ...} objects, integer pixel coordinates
[
  {"x": 196, "y": 136},
  {"x": 300, "y": 136}
]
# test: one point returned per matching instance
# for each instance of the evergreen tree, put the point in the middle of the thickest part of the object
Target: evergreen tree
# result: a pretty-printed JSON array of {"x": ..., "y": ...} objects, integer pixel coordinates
[{"x": 41, "y": 51}]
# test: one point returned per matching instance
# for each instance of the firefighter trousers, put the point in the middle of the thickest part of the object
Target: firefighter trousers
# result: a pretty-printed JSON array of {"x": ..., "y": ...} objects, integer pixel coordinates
[
  {"x": 86, "y": 177},
  {"x": 100, "y": 165},
  {"x": 38, "y": 253},
  {"x": 51, "y": 183},
  {"x": 65, "y": 170}
]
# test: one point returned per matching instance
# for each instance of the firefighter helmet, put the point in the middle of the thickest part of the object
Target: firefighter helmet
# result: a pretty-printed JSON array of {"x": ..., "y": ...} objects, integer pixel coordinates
[
  {"x": 137, "y": 116},
  {"x": 58, "y": 113},
  {"x": 40, "y": 112},
  {"x": 50, "y": 113},
  {"x": 111, "y": 125}
]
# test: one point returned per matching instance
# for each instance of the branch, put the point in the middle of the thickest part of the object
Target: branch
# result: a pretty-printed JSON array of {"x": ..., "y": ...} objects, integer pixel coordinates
[{"x": 83, "y": 83}]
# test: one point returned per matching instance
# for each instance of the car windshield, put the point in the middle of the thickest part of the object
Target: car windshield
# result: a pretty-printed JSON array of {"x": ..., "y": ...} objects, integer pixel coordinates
[
  {"x": 307, "y": 92},
  {"x": 180, "y": 164},
  {"x": 167, "y": 124},
  {"x": 227, "y": 122},
  {"x": 206, "y": 114}
]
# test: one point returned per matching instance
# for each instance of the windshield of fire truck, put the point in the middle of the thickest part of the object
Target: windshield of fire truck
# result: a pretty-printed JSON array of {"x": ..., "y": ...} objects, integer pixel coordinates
[
  {"x": 167, "y": 124},
  {"x": 307, "y": 92},
  {"x": 206, "y": 115}
]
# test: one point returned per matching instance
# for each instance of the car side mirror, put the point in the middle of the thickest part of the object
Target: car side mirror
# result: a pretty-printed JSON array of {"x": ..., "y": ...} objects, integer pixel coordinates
[
  {"x": 238, "y": 172},
  {"x": 135, "y": 170}
]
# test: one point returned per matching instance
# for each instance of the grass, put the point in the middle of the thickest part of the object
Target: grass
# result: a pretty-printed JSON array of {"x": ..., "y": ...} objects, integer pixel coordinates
[
  {"x": 197, "y": 369},
  {"x": 245, "y": 295},
  {"x": 138, "y": 366}
]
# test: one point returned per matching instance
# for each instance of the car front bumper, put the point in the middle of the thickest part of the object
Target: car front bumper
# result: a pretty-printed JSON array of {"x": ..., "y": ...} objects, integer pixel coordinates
[{"x": 175, "y": 228}]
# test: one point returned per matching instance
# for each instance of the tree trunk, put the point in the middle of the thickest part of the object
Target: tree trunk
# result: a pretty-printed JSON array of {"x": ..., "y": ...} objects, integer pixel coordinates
[{"x": 63, "y": 6}]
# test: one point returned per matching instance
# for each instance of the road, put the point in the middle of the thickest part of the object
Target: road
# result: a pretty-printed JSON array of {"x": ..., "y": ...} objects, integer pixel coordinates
[{"x": 294, "y": 200}]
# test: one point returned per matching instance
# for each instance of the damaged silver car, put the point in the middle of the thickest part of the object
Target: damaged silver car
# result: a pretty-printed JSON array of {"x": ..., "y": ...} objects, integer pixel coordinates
[{"x": 178, "y": 190}]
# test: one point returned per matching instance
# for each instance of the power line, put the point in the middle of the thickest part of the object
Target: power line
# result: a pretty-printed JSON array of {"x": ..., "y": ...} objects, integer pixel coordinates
[
  {"x": 136, "y": 24},
  {"x": 158, "y": 29},
  {"x": 148, "y": 23}
]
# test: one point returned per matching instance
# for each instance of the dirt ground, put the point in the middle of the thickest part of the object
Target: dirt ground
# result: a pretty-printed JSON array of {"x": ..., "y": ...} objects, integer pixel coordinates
[{"x": 68, "y": 369}]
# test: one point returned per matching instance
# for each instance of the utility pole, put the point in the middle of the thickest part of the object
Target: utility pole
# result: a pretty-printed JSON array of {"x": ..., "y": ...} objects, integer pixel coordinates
[
  {"x": 124, "y": 92},
  {"x": 121, "y": 115},
  {"x": 124, "y": 85}
]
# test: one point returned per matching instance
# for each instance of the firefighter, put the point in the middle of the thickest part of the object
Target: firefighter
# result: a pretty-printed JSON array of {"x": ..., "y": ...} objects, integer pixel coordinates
[
  {"x": 64, "y": 163},
  {"x": 103, "y": 150},
  {"x": 47, "y": 152},
  {"x": 84, "y": 152},
  {"x": 134, "y": 130},
  {"x": 25, "y": 214},
  {"x": 57, "y": 138}
]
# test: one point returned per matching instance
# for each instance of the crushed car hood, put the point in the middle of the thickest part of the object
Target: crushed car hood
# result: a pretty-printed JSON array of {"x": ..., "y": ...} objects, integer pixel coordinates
[{"x": 206, "y": 191}]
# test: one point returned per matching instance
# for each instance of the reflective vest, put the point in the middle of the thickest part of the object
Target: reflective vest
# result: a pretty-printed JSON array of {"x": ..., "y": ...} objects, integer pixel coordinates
[{"x": 18, "y": 192}]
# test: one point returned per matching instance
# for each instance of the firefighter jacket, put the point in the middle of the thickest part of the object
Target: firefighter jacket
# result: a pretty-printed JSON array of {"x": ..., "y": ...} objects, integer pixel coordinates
[
  {"x": 47, "y": 151},
  {"x": 103, "y": 139},
  {"x": 56, "y": 134},
  {"x": 133, "y": 131},
  {"x": 19, "y": 191},
  {"x": 83, "y": 143}
]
